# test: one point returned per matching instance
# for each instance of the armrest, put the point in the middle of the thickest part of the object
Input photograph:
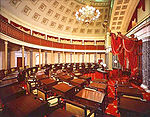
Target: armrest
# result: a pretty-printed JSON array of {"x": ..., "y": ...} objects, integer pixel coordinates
[
  {"x": 93, "y": 111},
  {"x": 58, "y": 96},
  {"x": 132, "y": 97},
  {"x": 54, "y": 101},
  {"x": 40, "y": 89}
]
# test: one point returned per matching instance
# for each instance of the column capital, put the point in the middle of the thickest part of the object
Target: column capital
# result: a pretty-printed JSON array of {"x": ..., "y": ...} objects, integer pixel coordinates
[
  {"x": 6, "y": 42},
  {"x": 109, "y": 49},
  {"x": 23, "y": 46}
]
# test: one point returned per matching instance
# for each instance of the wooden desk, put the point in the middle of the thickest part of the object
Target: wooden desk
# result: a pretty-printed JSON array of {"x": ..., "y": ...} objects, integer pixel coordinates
[
  {"x": 129, "y": 91},
  {"x": 41, "y": 76},
  {"x": 91, "y": 98},
  {"x": 123, "y": 84},
  {"x": 78, "y": 82},
  {"x": 26, "y": 106},
  {"x": 133, "y": 108},
  {"x": 10, "y": 76},
  {"x": 48, "y": 83},
  {"x": 100, "y": 80},
  {"x": 99, "y": 86},
  {"x": 77, "y": 74},
  {"x": 11, "y": 92},
  {"x": 85, "y": 78},
  {"x": 8, "y": 82},
  {"x": 64, "y": 90},
  {"x": 65, "y": 78}
]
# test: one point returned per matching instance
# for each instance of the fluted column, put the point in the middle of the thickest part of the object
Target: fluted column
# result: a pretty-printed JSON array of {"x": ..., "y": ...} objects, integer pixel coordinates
[
  {"x": 39, "y": 57},
  {"x": 89, "y": 58},
  {"x": 74, "y": 56},
  {"x": 63, "y": 57},
  {"x": 43, "y": 58},
  {"x": 23, "y": 57},
  {"x": 52, "y": 56},
  {"x": 6, "y": 51},
  {"x": 108, "y": 51},
  {"x": 28, "y": 58},
  {"x": 95, "y": 57},
  {"x": 85, "y": 60},
  {"x": 79, "y": 57},
  {"x": 146, "y": 65}
]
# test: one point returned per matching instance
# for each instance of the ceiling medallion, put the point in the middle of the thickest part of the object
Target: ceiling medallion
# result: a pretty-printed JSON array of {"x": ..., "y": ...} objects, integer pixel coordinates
[{"x": 87, "y": 14}]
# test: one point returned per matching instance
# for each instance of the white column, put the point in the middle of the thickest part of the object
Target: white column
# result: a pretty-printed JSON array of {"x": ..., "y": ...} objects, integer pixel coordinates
[
  {"x": 6, "y": 50},
  {"x": 94, "y": 42},
  {"x": 85, "y": 60},
  {"x": 45, "y": 37},
  {"x": 39, "y": 57},
  {"x": 28, "y": 58},
  {"x": 78, "y": 57},
  {"x": 12, "y": 59},
  {"x": 52, "y": 57},
  {"x": 43, "y": 58},
  {"x": 89, "y": 58},
  {"x": 59, "y": 39},
  {"x": 74, "y": 57},
  {"x": 108, "y": 51},
  {"x": 96, "y": 57},
  {"x": 71, "y": 41},
  {"x": 65, "y": 57},
  {"x": 82, "y": 42},
  {"x": 23, "y": 57}
]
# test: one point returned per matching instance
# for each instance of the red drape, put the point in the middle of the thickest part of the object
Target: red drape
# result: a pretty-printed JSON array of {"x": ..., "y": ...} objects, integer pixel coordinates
[
  {"x": 116, "y": 44},
  {"x": 131, "y": 47},
  {"x": 126, "y": 48}
]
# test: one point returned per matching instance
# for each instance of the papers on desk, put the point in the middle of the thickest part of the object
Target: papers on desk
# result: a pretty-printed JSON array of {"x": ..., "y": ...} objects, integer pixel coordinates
[{"x": 100, "y": 70}]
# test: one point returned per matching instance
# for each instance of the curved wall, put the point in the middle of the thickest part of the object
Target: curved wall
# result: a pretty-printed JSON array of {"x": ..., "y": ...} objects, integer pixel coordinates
[{"x": 13, "y": 32}]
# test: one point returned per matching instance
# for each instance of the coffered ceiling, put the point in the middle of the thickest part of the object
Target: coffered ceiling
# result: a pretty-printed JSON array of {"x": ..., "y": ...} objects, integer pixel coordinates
[
  {"x": 121, "y": 14},
  {"x": 57, "y": 17}
]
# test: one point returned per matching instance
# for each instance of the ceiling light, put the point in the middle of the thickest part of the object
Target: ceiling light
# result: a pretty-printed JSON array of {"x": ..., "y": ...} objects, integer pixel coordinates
[{"x": 87, "y": 14}]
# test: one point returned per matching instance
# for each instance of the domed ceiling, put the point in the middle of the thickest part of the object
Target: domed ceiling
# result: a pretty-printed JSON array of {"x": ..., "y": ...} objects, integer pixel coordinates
[{"x": 57, "y": 17}]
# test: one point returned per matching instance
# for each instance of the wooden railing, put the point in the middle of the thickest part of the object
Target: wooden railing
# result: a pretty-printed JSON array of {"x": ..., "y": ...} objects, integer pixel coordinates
[{"x": 13, "y": 32}]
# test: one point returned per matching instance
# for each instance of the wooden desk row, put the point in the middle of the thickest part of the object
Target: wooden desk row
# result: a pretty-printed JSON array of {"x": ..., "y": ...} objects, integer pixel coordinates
[
  {"x": 18, "y": 104},
  {"x": 129, "y": 107}
]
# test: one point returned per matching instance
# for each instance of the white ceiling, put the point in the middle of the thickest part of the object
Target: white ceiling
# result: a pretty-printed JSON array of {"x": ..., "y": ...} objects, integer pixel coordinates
[{"x": 57, "y": 17}]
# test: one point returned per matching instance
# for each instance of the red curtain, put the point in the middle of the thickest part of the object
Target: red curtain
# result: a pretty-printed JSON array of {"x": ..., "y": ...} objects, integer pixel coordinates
[
  {"x": 131, "y": 49},
  {"x": 126, "y": 48},
  {"x": 121, "y": 57},
  {"x": 116, "y": 44}
]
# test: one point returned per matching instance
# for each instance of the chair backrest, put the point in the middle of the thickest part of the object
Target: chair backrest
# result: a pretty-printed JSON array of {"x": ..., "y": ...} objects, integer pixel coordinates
[
  {"x": 41, "y": 94},
  {"x": 77, "y": 109}
]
